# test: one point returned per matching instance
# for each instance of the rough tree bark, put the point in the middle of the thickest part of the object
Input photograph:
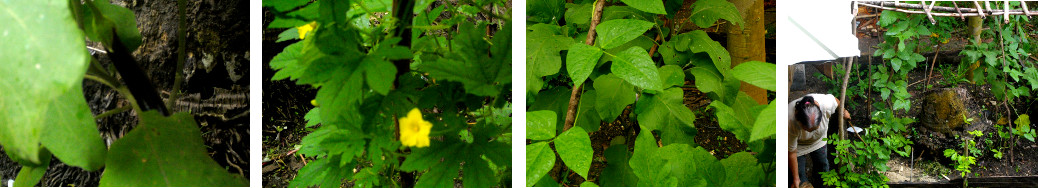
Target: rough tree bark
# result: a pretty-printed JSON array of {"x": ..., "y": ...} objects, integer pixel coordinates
[{"x": 747, "y": 43}]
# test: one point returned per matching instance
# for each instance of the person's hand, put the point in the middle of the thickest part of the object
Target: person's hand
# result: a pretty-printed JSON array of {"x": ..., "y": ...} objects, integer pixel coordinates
[{"x": 796, "y": 183}]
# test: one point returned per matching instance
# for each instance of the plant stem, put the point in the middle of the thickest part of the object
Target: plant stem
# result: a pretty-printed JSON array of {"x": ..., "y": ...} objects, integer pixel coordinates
[
  {"x": 113, "y": 112},
  {"x": 574, "y": 97},
  {"x": 181, "y": 42}
]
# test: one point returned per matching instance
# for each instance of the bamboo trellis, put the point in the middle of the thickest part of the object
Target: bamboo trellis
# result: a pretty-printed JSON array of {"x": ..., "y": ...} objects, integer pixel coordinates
[{"x": 931, "y": 10}]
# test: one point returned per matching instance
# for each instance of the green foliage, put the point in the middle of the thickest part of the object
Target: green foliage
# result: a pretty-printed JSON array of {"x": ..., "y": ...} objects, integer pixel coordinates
[
  {"x": 49, "y": 115},
  {"x": 460, "y": 81},
  {"x": 33, "y": 32},
  {"x": 179, "y": 158},
  {"x": 574, "y": 147},
  {"x": 1023, "y": 127},
  {"x": 963, "y": 161},
  {"x": 624, "y": 76},
  {"x": 870, "y": 155}
]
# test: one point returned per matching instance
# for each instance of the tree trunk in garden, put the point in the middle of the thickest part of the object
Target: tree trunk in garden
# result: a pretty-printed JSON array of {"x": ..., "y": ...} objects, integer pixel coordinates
[
  {"x": 976, "y": 26},
  {"x": 747, "y": 43}
]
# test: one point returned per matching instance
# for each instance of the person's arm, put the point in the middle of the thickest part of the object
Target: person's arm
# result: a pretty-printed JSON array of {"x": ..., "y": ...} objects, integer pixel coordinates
[
  {"x": 793, "y": 167},
  {"x": 846, "y": 114}
]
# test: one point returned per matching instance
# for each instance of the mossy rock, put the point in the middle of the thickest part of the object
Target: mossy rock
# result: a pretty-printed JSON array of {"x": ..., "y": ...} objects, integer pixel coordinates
[{"x": 943, "y": 110}]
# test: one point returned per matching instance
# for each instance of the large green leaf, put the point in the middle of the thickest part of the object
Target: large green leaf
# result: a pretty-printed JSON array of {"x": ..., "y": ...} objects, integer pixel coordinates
[
  {"x": 645, "y": 163},
  {"x": 71, "y": 133},
  {"x": 540, "y": 125},
  {"x": 664, "y": 109},
  {"x": 164, "y": 151},
  {"x": 612, "y": 96},
  {"x": 574, "y": 147},
  {"x": 742, "y": 170},
  {"x": 543, "y": 44},
  {"x": 580, "y": 61},
  {"x": 587, "y": 115},
  {"x": 539, "y": 160},
  {"x": 650, "y": 6},
  {"x": 764, "y": 126},
  {"x": 672, "y": 75},
  {"x": 760, "y": 74},
  {"x": 701, "y": 42},
  {"x": 635, "y": 66},
  {"x": 472, "y": 65},
  {"x": 706, "y": 12},
  {"x": 31, "y": 174},
  {"x": 42, "y": 50},
  {"x": 617, "y": 169},
  {"x": 614, "y": 33}
]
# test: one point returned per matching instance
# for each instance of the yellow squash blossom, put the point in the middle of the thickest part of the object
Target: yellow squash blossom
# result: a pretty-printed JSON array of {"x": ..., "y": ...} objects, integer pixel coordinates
[
  {"x": 414, "y": 131},
  {"x": 306, "y": 29}
]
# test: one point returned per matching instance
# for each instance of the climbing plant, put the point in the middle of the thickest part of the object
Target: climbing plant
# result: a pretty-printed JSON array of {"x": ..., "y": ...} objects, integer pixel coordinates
[
  {"x": 45, "y": 114},
  {"x": 407, "y": 96},
  {"x": 603, "y": 59}
]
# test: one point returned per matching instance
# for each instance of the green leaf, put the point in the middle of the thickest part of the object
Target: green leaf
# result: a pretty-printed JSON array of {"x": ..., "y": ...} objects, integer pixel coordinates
[
  {"x": 664, "y": 109},
  {"x": 760, "y": 74},
  {"x": 472, "y": 65},
  {"x": 543, "y": 44},
  {"x": 764, "y": 126},
  {"x": 644, "y": 161},
  {"x": 306, "y": 14},
  {"x": 284, "y": 5},
  {"x": 43, "y": 59},
  {"x": 635, "y": 66},
  {"x": 889, "y": 17},
  {"x": 612, "y": 96},
  {"x": 71, "y": 133},
  {"x": 742, "y": 170},
  {"x": 287, "y": 63},
  {"x": 545, "y": 11},
  {"x": 587, "y": 115},
  {"x": 554, "y": 99},
  {"x": 672, "y": 75},
  {"x": 730, "y": 121},
  {"x": 706, "y": 12},
  {"x": 619, "y": 172},
  {"x": 290, "y": 34},
  {"x": 379, "y": 74},
  {"x": 588, "y": 184},
  {"x": 580, "y": 61},
  {"x": 574, "y": 147},
  {"x": 579, "y": 14},
  {"x": 164, "y": 151},
  {"x": 99, "y": 27},
  {"x": 540, "y": 125},
  {"x": 650, "y": 6},
  {"x": 539, "y": 160},
  {"x": 31, "y": 174},
  {"x": 718, "y": 55},
  {"x": 476, "y": 165},
  {"x": 614, "y": 33},
  {"x": 440, "y": 176}
]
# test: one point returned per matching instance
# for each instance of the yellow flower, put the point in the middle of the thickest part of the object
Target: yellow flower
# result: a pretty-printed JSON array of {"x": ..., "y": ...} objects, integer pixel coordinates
[
  {"x": 306, "y": 29},
  {"x": 414, "y": 131}
]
